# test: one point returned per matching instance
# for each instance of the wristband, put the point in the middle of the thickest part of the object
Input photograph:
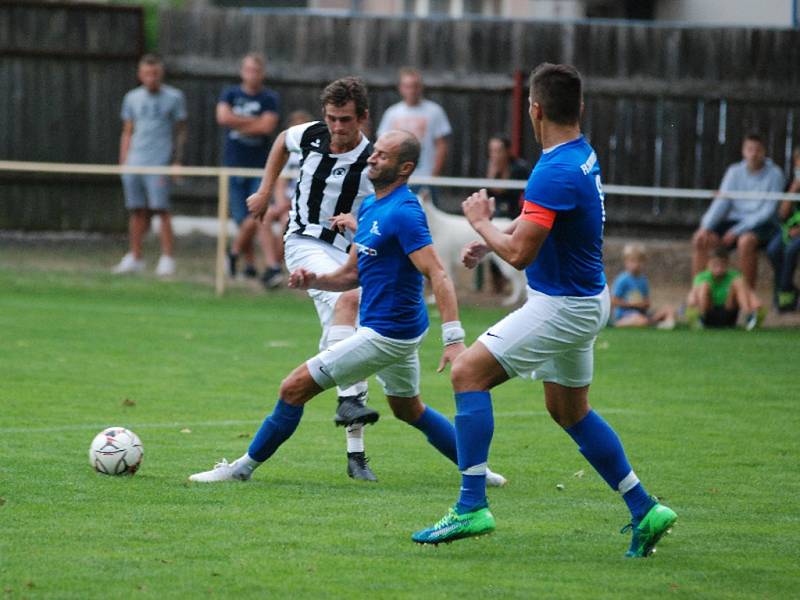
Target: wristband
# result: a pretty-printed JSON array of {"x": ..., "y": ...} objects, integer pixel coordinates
[{"x": 452, "y": 333}]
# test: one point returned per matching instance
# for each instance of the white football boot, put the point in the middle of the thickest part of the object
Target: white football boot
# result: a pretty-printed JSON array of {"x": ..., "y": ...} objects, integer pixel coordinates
[
  {"x": 166, "y": 266},
  {"x": 129, "y": 264},
  {"x": 495, "y": 479},
  {"x": 223, "y": 471}
]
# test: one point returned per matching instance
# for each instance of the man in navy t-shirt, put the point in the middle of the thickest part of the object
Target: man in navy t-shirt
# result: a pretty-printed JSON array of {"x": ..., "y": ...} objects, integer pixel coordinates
[
  {"x": 249, "y": 114},
  {"x": 392, "y": 250},
  {"x": 558, "y": 240}
]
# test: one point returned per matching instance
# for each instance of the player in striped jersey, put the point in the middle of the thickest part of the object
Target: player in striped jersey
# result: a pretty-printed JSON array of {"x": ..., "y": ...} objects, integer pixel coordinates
[{"x": 331, "y": 185}]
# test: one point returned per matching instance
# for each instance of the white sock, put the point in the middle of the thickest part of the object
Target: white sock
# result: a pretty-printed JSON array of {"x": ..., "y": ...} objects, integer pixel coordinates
[
  {"x": 245, "y": 464},
  {"x": 355, "y": 438}
]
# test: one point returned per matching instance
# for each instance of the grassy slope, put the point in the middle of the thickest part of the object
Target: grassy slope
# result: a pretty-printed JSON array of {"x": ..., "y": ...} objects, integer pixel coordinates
[{"x": 709, "y": 420}]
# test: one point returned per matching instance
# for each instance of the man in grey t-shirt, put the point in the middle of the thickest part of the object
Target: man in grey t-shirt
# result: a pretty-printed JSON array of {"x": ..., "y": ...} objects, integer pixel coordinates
[
  {"x": 422, "y": 117},
  {"x": 744, "y": 224},
  {"x": 153, "y": 134}
]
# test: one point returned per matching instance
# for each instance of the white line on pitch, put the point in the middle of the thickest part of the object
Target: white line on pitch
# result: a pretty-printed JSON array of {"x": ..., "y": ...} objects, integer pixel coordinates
[{"x": 231, "y": 422}]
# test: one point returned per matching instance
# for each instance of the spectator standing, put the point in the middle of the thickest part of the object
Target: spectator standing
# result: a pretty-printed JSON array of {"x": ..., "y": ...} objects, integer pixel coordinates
[
  {"x": 784, "y": 249},
  {"x": 747, "y": 224},
  {"x": 153, "y": 134},
  {"x": 249, "y": 113},
  {"x": 422, "y": 117}
]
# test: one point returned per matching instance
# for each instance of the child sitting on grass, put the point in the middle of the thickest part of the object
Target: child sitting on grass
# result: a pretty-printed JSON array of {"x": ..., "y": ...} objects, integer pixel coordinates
[
  {"x": 630, "y": 295},
  {"x": 719, "y": 293}
]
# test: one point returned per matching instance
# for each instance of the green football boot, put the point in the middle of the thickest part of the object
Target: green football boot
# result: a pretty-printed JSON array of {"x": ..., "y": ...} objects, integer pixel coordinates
[
  {"x": 658, "y": 521},
  {"x": 455, "y": 526}
]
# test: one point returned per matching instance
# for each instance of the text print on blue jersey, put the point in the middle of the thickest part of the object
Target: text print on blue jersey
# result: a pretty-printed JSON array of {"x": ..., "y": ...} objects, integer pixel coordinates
[{"x": 587, "y": 168}]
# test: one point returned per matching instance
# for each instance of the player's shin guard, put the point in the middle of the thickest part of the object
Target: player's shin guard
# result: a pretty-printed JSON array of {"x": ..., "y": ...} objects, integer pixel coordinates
[
  {"x": 440, "y": 432},
  {"x": 474, "y": 430},
  {"x": 276, "y": 429},
  {"x": 601, "y": 446}
]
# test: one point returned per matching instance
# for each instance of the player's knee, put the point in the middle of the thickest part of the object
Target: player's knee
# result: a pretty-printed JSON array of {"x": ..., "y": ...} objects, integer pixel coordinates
[
  {"x": 347, "y": 305},
  {"x": 700, "y": 239},
  {"x": 462, "y": 373},
  {"x": 294, "y": 389}
]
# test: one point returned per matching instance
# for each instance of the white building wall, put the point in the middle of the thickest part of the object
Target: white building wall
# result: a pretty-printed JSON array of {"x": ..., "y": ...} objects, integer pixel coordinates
[{"x": 776, "y": 13}]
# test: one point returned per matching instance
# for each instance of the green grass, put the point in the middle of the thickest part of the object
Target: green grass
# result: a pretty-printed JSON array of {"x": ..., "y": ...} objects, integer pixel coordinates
[{"x": 709, "y": 420}]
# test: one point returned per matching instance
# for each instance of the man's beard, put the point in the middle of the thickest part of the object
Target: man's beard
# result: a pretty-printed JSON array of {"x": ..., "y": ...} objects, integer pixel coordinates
[{"x": 384, "y": 178}]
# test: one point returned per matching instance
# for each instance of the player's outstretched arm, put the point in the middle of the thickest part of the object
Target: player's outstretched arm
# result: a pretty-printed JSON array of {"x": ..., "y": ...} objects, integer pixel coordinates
[
  {"x": 342, "y": 279},
  {"x": 427, "y": 262},
  {"x": 518, "y": 248},
  {"x": 278, "y": 155},
  {"x": 473, "y": 253}
]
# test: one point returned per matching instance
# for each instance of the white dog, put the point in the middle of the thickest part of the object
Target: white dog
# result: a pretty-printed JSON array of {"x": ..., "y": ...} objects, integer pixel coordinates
[{"x": 451, "y": 233}]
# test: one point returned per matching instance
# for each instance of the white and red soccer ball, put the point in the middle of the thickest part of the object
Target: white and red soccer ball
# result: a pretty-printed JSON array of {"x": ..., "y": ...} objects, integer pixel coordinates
[{"x": 116, "y": 451}]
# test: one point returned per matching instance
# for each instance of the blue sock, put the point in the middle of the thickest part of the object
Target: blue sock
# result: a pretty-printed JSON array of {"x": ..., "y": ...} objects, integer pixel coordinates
[
  {"x": 602, "y": 448},
  {"x": 276, "y": 429},
  {"x": 439, "y": 431},
  {"x": 474, "y": 429}
]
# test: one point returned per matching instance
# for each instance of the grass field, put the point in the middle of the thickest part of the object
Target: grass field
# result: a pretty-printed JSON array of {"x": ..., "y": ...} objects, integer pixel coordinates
[{"x": 709, "y": 420}]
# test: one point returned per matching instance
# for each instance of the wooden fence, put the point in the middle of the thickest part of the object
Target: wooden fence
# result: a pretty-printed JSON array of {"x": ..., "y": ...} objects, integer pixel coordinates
[{"x": 665, "y": 105}]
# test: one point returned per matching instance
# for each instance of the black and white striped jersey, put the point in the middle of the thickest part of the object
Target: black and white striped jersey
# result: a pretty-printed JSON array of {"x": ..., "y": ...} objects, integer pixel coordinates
[{"x": 329, "y": 184}]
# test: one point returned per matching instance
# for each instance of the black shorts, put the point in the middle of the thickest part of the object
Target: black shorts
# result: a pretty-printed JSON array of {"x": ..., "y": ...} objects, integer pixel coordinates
[
  {"x": 719, "y": 316},
  {"x": 764, "y": 232}
]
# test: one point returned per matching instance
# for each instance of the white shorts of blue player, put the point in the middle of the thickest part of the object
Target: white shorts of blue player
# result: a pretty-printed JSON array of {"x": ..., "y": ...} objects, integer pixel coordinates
[{"x": 550, "y": 338}]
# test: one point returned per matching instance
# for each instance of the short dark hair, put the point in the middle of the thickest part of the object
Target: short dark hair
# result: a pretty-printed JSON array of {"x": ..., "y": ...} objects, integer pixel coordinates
[
  {"x": 344, "y": 90},
  {"x": 720, "y": 252},
  {"x": 754, "y": 136},
  {"x": 150, "y": 59},
  {"x": 409, "y": 149},
  {"x": 559, "y": 91},
  {"x": 502, "y": 138}
]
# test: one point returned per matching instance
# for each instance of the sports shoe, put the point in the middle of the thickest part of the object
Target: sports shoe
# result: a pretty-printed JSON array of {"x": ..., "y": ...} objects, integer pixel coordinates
[
  {"x": 166, "y": 266},
  {"x": 495, "y": 479},
  {"x": 354, "y": 409},
  {"x": 250, "y": 272},
  {"x": 658, "y": 521},
  {"x": 222, "y": 471},
  {"x": 787, "y": 301},
  {"x": 357, "y": 467},
  {"x": 129, "y": 264},
  {"x": 455, "y": 526},
  {"x": 272, "y": 277}
]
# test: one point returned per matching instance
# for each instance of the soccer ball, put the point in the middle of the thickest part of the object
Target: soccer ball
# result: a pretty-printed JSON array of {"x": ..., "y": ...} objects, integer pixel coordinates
[{"x": 116, "y": 451}]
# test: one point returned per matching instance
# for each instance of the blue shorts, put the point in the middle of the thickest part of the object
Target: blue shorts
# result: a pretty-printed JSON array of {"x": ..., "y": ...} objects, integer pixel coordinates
[
  {"x": 240, "y": 188},
  {"x": 146, "y": 191}
]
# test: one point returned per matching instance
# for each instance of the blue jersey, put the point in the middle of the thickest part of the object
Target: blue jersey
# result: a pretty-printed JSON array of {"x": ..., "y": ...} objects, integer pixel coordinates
[
  {"x": 630, "y": 288},
  {"x": 567, "y": 180},
  {"x": 388, "y": 231},
  {"x": 247, "y": 150}
]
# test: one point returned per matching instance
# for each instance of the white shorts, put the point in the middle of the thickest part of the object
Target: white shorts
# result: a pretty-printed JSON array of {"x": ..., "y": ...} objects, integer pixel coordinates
[
  {"x": 301, "y": 252},
  {"x": 394, "y": 362},
  {"x": 550, "y": 337}
]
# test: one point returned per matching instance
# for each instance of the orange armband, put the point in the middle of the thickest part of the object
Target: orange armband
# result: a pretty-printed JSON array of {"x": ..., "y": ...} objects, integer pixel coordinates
[{"x": 538, "y": 214}]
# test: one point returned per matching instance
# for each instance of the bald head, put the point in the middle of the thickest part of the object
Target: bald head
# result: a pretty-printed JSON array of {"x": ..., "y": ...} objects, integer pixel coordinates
[{"x": 394, "y": 158}]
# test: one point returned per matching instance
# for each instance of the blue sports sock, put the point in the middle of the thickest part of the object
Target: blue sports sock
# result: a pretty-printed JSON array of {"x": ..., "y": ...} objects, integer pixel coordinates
[
  {"x": 474, "y": 429},
  {"x": 276, "y": 429},
  {"x": 439, "y": 431},
  {"x": 602, "y": 448}
]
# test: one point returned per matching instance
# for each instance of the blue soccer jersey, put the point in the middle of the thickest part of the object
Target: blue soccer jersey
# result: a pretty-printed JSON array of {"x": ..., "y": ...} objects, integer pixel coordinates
[
  {"x": 567, "y": 180},
  {"x": 388, "y": 231}
]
